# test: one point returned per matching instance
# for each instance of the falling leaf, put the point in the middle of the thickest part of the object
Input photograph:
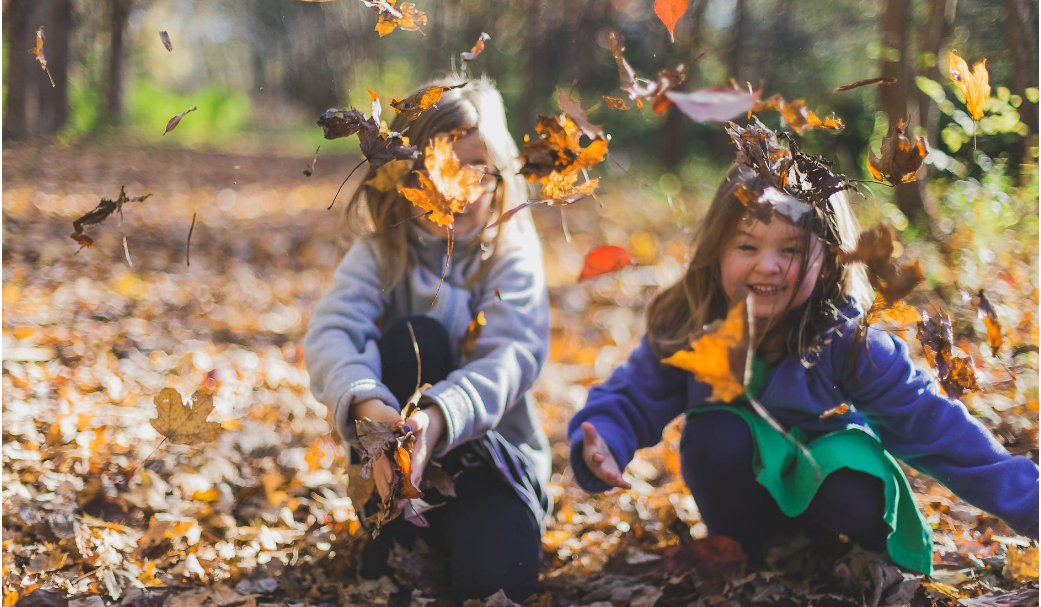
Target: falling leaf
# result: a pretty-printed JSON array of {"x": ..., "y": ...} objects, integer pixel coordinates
[
  {"x": 797, "y": 115},
  {"x": 176, "y": 120},
  {"x": 100, "y": 213},
  {"x": 955, "y": 374},
  {"x": 897, "y": 312},
  {"x": 388, "y": 177},
  {"x": 477, "y": 49},
  {"x": 718, "y": 355},
  {"x": 378, "y": 146},
  {"x": 865, "y": 82},
  {"x": 892, "y": 282},
  {"x": 415, "y": 104},
  {"x": 182, "y": 424},
  {"x": 310, "y": 167},
  {"x": 995, "y": 335},
  {"x": 758, "y": 149},
  {"x": 392, "y": 16},
  {"x": 839, "y": 410},
  {"x": 641, "y": 89},
  {"x": 473, "y": 333},
  {"x": 900, "y": 160},
  {"x": 670, "y": 11},
  {"x": 615, "y": 103},
  {"x": 377, "y": 107},
  {"x": 974, "y": 85},
  {"x": 559, "y": 190},
  {"x": 605, "y": 259},
  {"x": 772, "y": 200},
  {"x": 574, "y": 111},
  {"x": 447, "y": 186},
  {"x": 38, "y": 52},
  {"x": 558, "y": 149},
  {"x": 714, "y": 104},
  {"x": 165, "y": 37}
]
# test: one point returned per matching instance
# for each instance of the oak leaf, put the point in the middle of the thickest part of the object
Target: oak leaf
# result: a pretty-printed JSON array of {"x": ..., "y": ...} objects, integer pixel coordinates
[
  {"x": 172, "y": 124},
  {"x": 975, "y": 85},
  {"x": 416, "y": 103},
  {"x": 718, "y": 356},
  {"x": 605, "y": 259},
  {"x": 641, "y": 89},
  {"x": 989, "y": 315},
  {"x": 38, "y": 52},
  {"x": 182, "y": 424},
  {"x": 670, "y": 11},
  {"x": 447, "y": 187},
  {"x": 473, "y": 333},
  {"x": 900, "y": 159}
]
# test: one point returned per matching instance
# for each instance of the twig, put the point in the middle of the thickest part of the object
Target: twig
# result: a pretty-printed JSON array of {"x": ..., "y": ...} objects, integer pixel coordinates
[
  {"x": 448, "y": 257},
  {"x": 364, "y": 160},
  {"x": 188, "y": 245},
  {"x": 126, "y": 251},
  {"x": 394, "y": 225},
  {"x": 419, "y": 361}
]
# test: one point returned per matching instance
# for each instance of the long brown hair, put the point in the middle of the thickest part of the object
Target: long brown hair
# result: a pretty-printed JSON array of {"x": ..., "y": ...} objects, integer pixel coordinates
[
  {"x": 683, "y": 309},
  {"x": 385, "y": 216}
]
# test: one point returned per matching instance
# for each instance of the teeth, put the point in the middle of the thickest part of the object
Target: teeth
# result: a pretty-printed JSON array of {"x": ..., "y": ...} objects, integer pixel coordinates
[{"x": 764, "y": 289}]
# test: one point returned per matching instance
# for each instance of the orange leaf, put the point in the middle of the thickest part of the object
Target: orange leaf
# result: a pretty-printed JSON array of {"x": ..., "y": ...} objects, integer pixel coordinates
[
  {"x": 38, "y": 52},
  {"x": 797, "y": 115},
  {"x": 974, "y": 85},
  {"x": 840, "y": 410},
  {"x": 403, "y": 462},
  {"x": 448, "y": 188},
  {"x": 670, "y": 11},
  {"x": 476, "y": 50},
  {"x": 391, "y": 17},
  {"x": 423, "y": 99},
  {"x": 990, "y": 320},
  {"x": 604, "y": 260},
  {"x": 956, "y": 374},
  {"x": 558, "y": 148},
  {"x": 641, "y": 89},
  {"x": 718, "y": 356},
  {"x": 615, "y": 103},
  {"x": 473, "y": 333},
  {"x": 900, "y": 160}
]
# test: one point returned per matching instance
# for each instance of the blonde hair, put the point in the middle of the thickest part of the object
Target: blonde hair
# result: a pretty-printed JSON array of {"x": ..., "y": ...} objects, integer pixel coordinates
[
  {"x": 385, "y": 216},
  {"x": 683, "y": 309}
]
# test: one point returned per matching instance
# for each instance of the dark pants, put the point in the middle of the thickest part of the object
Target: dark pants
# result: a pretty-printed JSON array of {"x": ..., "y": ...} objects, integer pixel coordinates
[
  {"x": 489, "y": 536},
  {"x": 717, "y": 467}
]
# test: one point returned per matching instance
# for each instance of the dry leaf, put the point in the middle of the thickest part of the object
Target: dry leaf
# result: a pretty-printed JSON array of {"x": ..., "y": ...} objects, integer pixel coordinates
[
  {"x": 558, "y": 149},
  {"x": 797, "y": 115},
  {"x": 569, "y": 106},
  {"x": 900, "y": 160},
  {"x": 1021, "y": 565},
  {"x": 177, "y": 120},
  {"x": 38, "y": 52},
  {"x": 403, "y": 461},
  {"x": 392, "y": 16},
  {"x": 715, "y": 104},
  {"x": 974, "y": 85},
  {"x": 605, "y": 259},
  {"x": 718, "y": 355},
  {"x": 990, "y": 320},
  {"x": 477, "y": 49},
  {"x": 182, "y": 424},
  {"x": 100, "y": 213},
  {"x": 559, "y": 190},
  {"x": 839, "y": 410},
  {"x": 865, "y": 82},
  {"x": 415, "y": 104},
  {"x": 473, "y": 333},
  {"x": 955, "y": 374},
  {"x": 771, "y": 200},
  {"x": 641, "y": 89},
  {"x": 310, "y": 167},
  {"x": 379, "y": 147},
  {"x": 670, "y": 11},
  {"x": 447, "y": 187},
  {"x": 615, "y": 103},
  {"x": 165, "y": 37},
  {"x": 388, "y": 177}
]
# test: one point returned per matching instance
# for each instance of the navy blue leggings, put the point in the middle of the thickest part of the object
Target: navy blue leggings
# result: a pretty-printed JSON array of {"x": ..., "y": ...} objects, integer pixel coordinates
[
  {"x": 487, "y": 532},
  {"x": 717, "y": 467}
]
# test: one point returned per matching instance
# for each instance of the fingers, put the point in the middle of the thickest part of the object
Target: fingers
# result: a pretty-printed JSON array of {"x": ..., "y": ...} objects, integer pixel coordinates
[{"x": 599, "y": 459}]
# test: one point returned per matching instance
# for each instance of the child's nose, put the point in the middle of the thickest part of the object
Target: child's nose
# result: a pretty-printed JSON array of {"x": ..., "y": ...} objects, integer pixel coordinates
[{"x": 770, "y": 262}]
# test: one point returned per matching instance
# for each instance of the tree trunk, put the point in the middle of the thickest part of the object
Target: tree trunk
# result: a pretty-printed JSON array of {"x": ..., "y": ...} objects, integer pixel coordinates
[
  {"x": 1022, "y": 40},
  {"x": 17, "y": 74},
  {"x": 118, "y": 16},
  {"x": 737, "y": 42},
  {"x": 673, "y": 139},
  {"x": 937, "y": 29}
]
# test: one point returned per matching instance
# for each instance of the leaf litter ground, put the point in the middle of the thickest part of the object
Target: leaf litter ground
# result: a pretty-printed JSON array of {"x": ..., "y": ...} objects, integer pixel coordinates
[{"x": 95, "y": 514}]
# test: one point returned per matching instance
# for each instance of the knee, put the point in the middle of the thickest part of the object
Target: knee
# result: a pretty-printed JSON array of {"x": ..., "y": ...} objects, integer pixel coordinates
[
  {"x": 719, "y": 441},
  {"x": 518, "y": 579}
]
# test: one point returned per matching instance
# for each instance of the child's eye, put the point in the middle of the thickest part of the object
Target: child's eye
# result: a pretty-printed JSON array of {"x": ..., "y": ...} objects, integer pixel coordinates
[
  {"x": 792, "y": 251},
  {"x": 745, "y": 247}
]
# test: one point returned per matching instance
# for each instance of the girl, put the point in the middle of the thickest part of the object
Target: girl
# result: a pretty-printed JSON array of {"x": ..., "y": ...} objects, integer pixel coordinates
[
  {"x": 814, "y": 355},
  {"x": 477, "y": 420}
]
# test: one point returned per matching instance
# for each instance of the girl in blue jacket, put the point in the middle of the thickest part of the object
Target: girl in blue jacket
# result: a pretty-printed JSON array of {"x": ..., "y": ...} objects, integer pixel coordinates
[{"x": 814, "y": 354}]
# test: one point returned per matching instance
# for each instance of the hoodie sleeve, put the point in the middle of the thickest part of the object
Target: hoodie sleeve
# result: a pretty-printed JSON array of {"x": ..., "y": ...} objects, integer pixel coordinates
[
  {"x": 629, "y": 411},
  {"x": 933, "y": 433},
  {"x": 509, "y": 353},
  {"x": 340, "y": 348}
]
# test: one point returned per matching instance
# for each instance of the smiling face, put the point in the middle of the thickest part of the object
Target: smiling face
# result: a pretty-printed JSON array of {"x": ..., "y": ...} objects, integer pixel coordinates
[
  {"x": 766, "y": 259},
  {"x": 471, "y": 151}
]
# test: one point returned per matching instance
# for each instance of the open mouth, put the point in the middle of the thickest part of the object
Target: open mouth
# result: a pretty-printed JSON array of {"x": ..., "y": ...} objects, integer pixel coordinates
[{"x": 765, "y": 289}]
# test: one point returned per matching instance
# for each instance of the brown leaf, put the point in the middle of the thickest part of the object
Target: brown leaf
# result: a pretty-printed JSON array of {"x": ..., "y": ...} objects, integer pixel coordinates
[
  {"x": 379, "y": 147},
  {"x": 797, "y": 115},
  {"x": 605, "y": 259},
  {"x": 569, "y": 106},
  {"x": 177, "y": 120},
  {"x": 715, "y": 558},
  {"x": 891, "y": 282},
  {"x": 758, "y": 148},
  {"x": 100, "y": 213},
  {"x": 182, "y": 424},
  {"x": 770, "y": 201},
  {"x": 435, "y": 477},
  {"x": 477, "y": 49},
  {"x": 374, "y": 438},
  {"x": 670, "y": 11},
  {"x": 640, "y": 89},
  {"x": 392, "y": 16},
  {"x": 38, "y": 52},
  {"x": 718, "y": 355},
  {"x": 995, "y": 335},
  {"x": 558, "y": 149},
  {"x": 865, "y": 82},
  {"x": 900, "y": 160},
  {"x": 415, "y": 104},
  {"x": 359, "y": 488},
  {"x": 839, "y": 410},
  {"x": 473, "y": 333},
  {"x": 447, "y": 186},
  {"x": 955, "y": 374},
  {"x": 165, "y": 37},
  {"x": 975, "y": 85},
  {"x": 615, "y": 103},
  {"x": 310, "y": 167}
]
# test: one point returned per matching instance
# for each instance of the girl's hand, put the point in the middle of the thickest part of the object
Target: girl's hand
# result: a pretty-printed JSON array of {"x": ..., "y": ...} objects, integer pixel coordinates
[
  {"x": 376, "y": 410},
  {"x": 428, "y": 424},
  {"x": 598, "y": 457}
]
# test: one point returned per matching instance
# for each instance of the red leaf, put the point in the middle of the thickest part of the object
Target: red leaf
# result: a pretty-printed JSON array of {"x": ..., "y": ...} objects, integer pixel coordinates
[
  {"x": 670, "y": 11},
  {"x": 604, "y": 260},
  {"x": 715, "y": 558}
]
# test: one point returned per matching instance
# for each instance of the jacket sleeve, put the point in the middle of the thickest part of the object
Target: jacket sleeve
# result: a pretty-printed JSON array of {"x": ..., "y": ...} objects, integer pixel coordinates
[
  {"x": 630, "y": 410},
  {"x": 935, "y": 434},
  {"x": 509, "y": 353},
  {"x": 340, "y": 348}
]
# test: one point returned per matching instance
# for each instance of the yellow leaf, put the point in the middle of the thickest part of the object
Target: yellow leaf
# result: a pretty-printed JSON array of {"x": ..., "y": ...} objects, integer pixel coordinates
[
  {"x": 1022, "y": 564},
  {"x": 473, "y": 333},
  {"x": 447, "y": 187},
  {"x": 182, "y": 424},
  {"x": 389, "y": 176},
  {"x": 561, "y": 187},
  {"x": 975, "y": 85},
  {"x": 717, "y": 356}
]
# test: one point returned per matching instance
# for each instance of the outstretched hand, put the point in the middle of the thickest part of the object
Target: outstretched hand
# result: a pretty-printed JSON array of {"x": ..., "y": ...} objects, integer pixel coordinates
[
  {"x": 599, "y": 459},
  {"x": 378, "y": 411}
]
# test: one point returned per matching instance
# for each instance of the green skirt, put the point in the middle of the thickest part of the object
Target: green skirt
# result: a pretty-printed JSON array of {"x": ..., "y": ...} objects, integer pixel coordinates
[{"x": 793, "y": 480}]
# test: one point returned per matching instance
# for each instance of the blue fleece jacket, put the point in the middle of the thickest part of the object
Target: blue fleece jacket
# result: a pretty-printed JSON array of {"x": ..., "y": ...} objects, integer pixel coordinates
[{"x": 887, "y": 394}]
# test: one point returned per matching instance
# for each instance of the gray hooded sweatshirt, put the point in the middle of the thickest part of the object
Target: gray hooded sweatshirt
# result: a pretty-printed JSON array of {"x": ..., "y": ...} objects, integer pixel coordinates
[{"x": 485, "y": 399}]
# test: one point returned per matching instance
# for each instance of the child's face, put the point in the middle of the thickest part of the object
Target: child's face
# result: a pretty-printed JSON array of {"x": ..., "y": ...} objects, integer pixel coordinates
[
  {"x": 470, "y": 150},
  {"x": 765, "y": 259}
]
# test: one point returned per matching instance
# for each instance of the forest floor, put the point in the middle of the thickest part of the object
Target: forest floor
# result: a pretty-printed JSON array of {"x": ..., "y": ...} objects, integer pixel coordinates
[{"x": 98, "y": 510}]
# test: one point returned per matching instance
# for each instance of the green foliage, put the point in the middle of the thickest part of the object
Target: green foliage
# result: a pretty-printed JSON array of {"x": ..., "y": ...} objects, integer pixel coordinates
[{"x": 221, "y": 112}]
